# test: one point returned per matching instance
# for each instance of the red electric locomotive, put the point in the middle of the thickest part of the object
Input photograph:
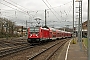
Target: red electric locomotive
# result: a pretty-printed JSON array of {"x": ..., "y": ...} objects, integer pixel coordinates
[{"x": 38, "y": 34}]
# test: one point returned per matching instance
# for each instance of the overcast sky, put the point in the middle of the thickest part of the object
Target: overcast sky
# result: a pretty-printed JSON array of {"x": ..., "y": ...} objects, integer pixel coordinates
[{"x": 21, "y": 10}]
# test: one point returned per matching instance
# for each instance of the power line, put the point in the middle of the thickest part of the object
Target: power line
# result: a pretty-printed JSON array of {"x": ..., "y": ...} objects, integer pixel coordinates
[
  {"x": 9, "y": 16},
  {"x": 18, "y": 4},
  {"x": 50, "y": 9},
  {"x": 61, "y": 5},
  {"x": 24, "y": 7},
  {"x": 18, "y": 7},
  {"x": 13, "y": 5},
  {"x": 51, "y": 6},
  {"x": 27, "y": 11},
  {"x": 13, "y": 8}
]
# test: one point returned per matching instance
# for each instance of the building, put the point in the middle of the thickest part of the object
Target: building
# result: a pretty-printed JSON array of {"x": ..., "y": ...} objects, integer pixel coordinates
[
  {"x": 20, "y": 30},
  {"x": 84, "y": 29}
]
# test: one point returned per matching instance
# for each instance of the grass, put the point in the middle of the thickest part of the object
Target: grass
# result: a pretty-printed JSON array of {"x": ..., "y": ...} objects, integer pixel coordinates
[
  {"x": 85, "y": 41},
  {"x": 74, "y": 41}
]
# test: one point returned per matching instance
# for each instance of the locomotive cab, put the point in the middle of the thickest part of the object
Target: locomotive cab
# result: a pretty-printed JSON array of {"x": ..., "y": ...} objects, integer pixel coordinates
[{"x": 33, "y": 34}]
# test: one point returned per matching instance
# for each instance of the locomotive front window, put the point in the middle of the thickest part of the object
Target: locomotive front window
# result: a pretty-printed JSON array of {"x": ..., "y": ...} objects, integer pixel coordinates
[{"x": 34, "y": 29}]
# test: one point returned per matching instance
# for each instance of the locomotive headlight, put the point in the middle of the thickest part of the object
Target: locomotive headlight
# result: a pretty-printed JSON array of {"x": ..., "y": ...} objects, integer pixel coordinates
[
  {"x": 36, "y": 34},
  {"x": 30, "y": 35}
]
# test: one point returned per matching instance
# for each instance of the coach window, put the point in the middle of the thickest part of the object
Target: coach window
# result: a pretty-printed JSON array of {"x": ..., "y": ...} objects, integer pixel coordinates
[{"x": 58, "y": 33}]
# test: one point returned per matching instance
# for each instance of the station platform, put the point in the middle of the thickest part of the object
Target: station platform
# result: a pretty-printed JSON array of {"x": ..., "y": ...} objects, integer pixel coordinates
[{"x": 73, "y": 52}]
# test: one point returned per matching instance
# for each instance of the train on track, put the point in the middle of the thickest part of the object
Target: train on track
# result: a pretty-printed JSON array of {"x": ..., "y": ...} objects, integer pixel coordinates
[{"x": 40, "y": 34}]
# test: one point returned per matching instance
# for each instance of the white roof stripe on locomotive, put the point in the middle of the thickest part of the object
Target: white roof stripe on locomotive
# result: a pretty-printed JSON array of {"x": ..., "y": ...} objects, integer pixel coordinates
[
  {"x": 52, "y": 29},
  {"x": 44, "y": 28}
]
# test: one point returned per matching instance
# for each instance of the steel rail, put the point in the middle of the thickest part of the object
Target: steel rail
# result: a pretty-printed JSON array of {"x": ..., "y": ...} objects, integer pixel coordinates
[
  {"x": 12, "y": 50},
  {"x": 55, "y": 51},
  {"x": 37, "y": 54}
]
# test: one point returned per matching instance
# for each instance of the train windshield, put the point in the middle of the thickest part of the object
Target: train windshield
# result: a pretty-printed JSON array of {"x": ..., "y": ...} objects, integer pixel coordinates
[{"x": 34, "y": 29}]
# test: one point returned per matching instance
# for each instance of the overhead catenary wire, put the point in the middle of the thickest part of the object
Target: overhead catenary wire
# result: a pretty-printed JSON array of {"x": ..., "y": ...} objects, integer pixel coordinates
[
  {"x": 33, "y": 15},
  {"x": 13, "y": 5},
  {"x": 42, "y": 10},
  {"x": 66, "y": 13},
  {"x": 19, "y": 8},
  {"x": 19, "y": 5},
  {"x": 25, "y": 9},
  {"x": 51, "y": 7},
  {"x": 9, "y": 16},
  {"x": 13, "y": 8},
  {"x": 61, "y": 5},
  {"x": 51, "y": 10}
]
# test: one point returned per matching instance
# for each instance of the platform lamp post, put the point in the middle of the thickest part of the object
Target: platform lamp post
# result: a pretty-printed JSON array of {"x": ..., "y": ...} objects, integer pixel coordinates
[
  {"x": 73, "y": 20},
  {"x": 88, "y": 30}
]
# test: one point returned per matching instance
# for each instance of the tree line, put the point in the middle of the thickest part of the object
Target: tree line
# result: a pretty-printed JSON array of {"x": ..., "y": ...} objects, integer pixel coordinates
[{"x": 7, "y": 28}]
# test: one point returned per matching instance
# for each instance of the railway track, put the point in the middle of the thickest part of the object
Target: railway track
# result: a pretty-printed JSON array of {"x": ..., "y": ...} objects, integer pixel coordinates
[
  {"x": 11, "y": 50},
  {"x": 11, "y": 46},
  {"x": 11, "y": 43},
  {"x": 43, "y": 54}
]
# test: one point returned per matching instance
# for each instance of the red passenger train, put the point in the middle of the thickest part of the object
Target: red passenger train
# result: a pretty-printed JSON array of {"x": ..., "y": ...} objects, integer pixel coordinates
[{"x": 39, "y": 34}]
